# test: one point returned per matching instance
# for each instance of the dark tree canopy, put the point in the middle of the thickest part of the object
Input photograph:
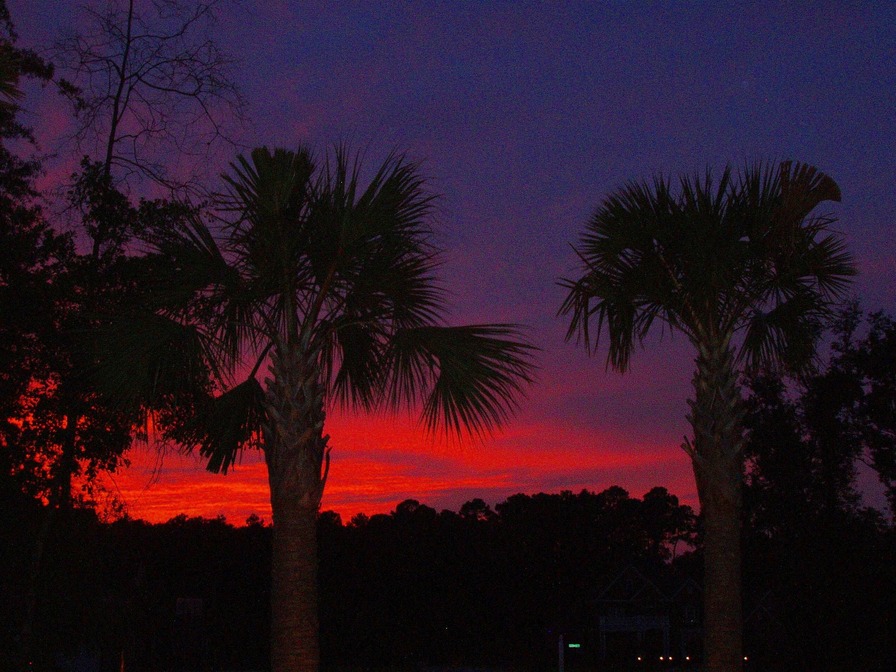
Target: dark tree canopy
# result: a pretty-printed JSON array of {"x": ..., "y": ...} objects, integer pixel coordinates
[
  {"x": 812, "y": 545},
  {"x": 806, "y": 437}
]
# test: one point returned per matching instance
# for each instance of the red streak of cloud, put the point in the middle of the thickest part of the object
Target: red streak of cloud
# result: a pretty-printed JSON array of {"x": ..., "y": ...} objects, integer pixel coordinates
[{"x": 381, "y": 461}]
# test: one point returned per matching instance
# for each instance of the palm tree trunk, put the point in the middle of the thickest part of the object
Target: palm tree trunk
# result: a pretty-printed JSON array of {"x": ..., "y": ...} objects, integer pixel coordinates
[
  {"x": 295, "y": 450},
  {"x": 716, "y": 454},
  {"x": 722, "y": 602},
  {"x": 294, "y": 602}
]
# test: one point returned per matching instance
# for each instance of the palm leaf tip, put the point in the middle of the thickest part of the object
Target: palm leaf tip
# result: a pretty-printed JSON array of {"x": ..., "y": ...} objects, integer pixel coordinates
[
  {"x": 577, "y": 305},
  {"x": 808, "y": 180}
]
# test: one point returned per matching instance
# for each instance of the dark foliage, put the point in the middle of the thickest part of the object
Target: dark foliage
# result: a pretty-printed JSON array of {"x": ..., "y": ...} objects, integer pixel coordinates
[
  {"x": 415, "y": 587},
  {"x": 420, "y": 588},
  {"x": 31, "y": 254},
  {"x": 820, "y": 564}
]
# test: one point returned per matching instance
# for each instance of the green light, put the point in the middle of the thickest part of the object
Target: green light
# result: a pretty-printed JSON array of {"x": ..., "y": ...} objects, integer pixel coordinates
[{"x": 572, "y": 645}]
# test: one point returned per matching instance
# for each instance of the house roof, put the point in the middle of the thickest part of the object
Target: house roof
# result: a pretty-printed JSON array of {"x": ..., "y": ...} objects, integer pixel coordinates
[{"x": 630, "y": 585}]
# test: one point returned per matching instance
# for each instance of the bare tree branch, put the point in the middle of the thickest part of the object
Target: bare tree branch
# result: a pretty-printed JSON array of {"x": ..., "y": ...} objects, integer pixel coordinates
[{"x": 152, "y": 83}]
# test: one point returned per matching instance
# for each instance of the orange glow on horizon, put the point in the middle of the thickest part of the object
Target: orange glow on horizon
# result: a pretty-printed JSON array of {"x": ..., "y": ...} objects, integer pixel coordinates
[{"x": 380, "y": 461}]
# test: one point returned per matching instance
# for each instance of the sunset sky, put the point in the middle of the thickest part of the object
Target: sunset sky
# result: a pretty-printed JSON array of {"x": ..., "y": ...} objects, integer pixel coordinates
[{"x": 525, "y": 115}]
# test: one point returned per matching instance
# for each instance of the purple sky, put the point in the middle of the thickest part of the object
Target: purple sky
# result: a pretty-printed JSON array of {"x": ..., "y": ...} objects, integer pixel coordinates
[{"x": 525, "y": 116}]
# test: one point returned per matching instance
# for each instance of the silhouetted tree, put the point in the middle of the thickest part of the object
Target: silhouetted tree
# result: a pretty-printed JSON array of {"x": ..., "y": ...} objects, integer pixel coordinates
[
  {"x": 820, "y": 426},
  {"x": 476, "y": 510},
  {"x": 863, "y": 373},
  {"x": 31, "y": 256},
  {"x": 332, "y": 283},
  {"x": 745, "y": 271},
  {"x": 816, "y": 556},
  {"x": 34, "y": 300},
  {"x": 152, "y": 89}
]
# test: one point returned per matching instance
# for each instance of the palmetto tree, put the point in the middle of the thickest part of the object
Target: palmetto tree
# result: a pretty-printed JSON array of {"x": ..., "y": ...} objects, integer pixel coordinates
[
  {"x": 330, "y": 284},
  {"x": 747, "y": 273}
]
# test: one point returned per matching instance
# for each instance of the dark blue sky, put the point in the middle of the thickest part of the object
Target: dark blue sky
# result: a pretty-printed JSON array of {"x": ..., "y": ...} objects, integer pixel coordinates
[{"x": 525, "y": 116}]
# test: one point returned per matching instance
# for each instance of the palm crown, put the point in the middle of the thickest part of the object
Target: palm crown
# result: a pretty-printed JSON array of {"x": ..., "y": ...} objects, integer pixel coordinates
[
  {"x": 716, "y": 259},
  {"x": 310, "y": 260}
]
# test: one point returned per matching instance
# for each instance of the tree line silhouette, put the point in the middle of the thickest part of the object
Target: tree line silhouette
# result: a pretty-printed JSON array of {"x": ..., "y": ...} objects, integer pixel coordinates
[{"x": 418, "y": 588}]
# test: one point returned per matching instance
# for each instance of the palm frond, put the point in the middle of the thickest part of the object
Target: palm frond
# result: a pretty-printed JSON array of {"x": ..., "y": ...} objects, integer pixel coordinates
[
  {"x": 633, "y": 251},
  {"x": 371, "y": 247},
  {"x": 267, "y": 199},
  {"x": 796, "y": 268},
  {"x": 802, "y": 189},
  {"x": 786, "y": 335},
  {"x": 144, "y": 360},
  {"x": 468, "y": 377},
  {"x": 189, "y": 278},
  {"x": 352, "y": 361},
  {"x": 221, "y": 426}
]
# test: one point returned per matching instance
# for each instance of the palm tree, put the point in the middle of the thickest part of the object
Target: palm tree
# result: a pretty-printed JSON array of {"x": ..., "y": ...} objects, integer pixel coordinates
[
  {"x": 745, "y": 271},
  {"x": 331, "y": 284}
]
